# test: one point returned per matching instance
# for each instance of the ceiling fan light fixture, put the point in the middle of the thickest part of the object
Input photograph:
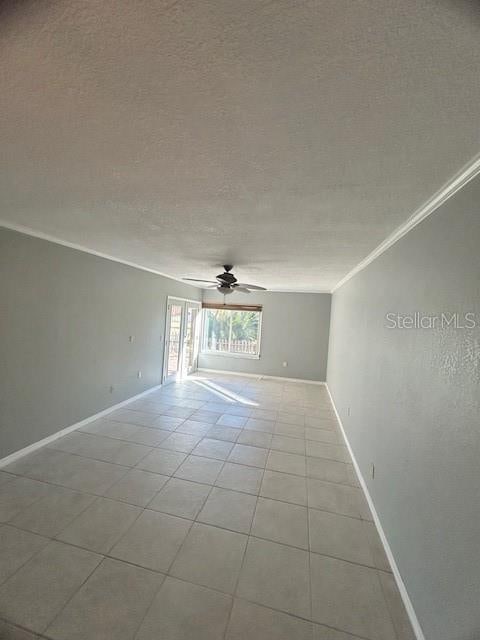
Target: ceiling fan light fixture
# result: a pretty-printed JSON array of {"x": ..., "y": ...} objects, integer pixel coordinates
[{"x": 225, "y": 290}]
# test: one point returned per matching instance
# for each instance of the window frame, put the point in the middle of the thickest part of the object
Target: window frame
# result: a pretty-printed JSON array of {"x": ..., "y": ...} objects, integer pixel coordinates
[{"x": 228, "y": 354}]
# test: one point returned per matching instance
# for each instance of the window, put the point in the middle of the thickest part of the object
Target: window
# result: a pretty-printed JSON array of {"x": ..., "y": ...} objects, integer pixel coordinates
[{"x": 232, "y": 331}]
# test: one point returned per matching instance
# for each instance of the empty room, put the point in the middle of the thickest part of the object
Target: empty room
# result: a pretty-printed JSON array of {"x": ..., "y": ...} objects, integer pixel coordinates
[{"x": 240, "y": 320}]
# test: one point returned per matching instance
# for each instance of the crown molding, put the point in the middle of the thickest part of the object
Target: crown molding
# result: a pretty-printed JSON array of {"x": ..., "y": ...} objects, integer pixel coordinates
[
  {"x": 78, "y": 247},
  {"x": 465, "y": 175},
  {"x": 297, "y": 291}
]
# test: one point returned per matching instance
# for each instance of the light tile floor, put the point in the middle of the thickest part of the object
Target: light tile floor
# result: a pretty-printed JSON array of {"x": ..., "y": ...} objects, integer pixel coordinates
[{"x": 222, "y": 507}]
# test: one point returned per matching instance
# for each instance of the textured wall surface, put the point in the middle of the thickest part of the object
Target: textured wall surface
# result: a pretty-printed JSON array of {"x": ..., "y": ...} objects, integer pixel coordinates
[
  {"x": 295, "y": 329},
  {"x": 414, "y": 399},
  {"x": 289, "y": 138},
  {"x": 65, "y": 322}
]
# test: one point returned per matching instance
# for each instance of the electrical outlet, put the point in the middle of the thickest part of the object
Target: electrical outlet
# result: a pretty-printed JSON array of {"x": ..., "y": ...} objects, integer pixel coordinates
[
  {"x": 111, "y": 389},
  {"x": 348, "y": 411},
  {"x": 372, "y": 471},
  {"x": 139, "y": 374},
  {"x": 131, "y": 338},
  {"x": 284, "y": 363}
]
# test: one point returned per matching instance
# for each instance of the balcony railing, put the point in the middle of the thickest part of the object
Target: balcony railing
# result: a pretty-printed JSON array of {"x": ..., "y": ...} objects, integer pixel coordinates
[{"x": 236, "y": 346}]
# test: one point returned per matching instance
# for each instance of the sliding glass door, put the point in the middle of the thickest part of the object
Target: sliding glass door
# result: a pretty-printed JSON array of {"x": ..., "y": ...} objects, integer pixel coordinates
[
  {"x": 182, "y": 335},
  {"x": 192, "y": 337}
]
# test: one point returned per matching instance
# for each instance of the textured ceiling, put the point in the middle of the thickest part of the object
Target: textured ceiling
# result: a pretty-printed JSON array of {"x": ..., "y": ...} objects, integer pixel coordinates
[{"x": 287, "y": 137}]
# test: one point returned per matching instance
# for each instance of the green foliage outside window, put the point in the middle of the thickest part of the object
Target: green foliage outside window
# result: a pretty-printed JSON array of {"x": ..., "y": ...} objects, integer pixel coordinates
[{"x": 232, "y": 331}]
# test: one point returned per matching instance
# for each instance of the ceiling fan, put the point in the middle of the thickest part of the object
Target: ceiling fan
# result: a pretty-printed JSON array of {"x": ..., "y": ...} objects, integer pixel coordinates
[{"x": 227, "y": 283}]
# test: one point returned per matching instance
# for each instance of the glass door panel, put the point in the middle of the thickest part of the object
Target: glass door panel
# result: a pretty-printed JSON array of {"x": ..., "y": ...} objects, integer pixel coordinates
[
  {"x": 192, "y": 337},
  {"x": 182, "y": 338},
  {"x": 173, "y": 346}
]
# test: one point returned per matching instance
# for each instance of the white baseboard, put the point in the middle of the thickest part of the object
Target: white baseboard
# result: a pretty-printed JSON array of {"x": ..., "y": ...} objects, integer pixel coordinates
[
  {"x": 417, "y": 629},
  {"x": 260, "y": 376},
  {"x": 63, "y": 432}
]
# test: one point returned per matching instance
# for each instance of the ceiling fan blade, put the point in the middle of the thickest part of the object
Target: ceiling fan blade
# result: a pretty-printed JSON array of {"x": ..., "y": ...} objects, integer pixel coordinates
[
  {"x": 249, "y": 286},
  {"x": 197, "y": 280},
  {"x": 242, "y": 289}
]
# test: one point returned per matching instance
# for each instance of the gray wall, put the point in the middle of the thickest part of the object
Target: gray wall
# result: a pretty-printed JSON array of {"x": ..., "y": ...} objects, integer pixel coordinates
[
  {"x": 65, "y": 320},
  {"x": 414, "y": 398},
  {"x": 295, "y": 329}
]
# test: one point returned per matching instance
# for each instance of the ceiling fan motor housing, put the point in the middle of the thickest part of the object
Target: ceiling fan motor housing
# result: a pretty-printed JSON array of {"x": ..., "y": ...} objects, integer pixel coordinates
[
  {"x": 227, "y": 277},
  {"x": 227, "y": 283}
]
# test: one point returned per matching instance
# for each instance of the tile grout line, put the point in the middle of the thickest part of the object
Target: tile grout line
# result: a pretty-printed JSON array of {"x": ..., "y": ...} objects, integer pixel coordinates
[
  {"x": 104, "y": 495},
  {"x": 167, "y": 573},
  {"x": 309, "y": 557},
  {"x": 55, "y": 538},
  {"x": 73, "y": 595},
  {"x": 49, "y": 540},
  {"x": 195, "y": 520},
  {"x": 384, "y": 595},
  {"x": 216, "y": 423},
  {"x": 281, "y": 611},
  {"x": 104, "y": 556},
  {"x": 234, "y": 594},
  {"x": 147, "y": 609}
]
